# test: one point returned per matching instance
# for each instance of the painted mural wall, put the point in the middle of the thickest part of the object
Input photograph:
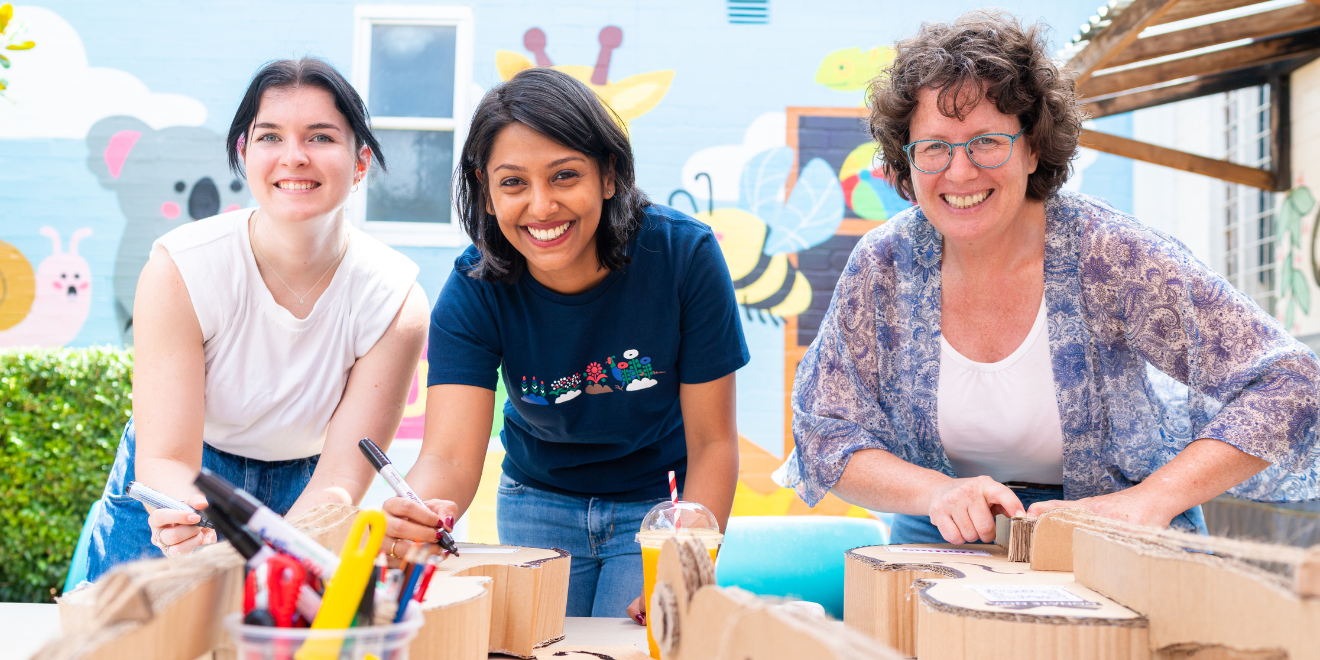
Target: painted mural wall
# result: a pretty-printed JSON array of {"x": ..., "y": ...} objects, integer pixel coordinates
[
  {"x": 111, "y": 117},
  {"x": 1298, "y": 212}
]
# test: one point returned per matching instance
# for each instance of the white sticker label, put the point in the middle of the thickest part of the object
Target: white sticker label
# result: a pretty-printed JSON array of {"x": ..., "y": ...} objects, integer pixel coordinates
[
  {"x": 939, "y": 551},
  {"x": 466, "y": 550},
  {"x": 1023, "y": 596}
]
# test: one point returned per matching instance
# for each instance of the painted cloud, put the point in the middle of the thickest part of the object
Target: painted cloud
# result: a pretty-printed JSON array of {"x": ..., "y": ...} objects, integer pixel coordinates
[
  {"x": 724, "y": 163},
  {"x": 55, "y": 94}
]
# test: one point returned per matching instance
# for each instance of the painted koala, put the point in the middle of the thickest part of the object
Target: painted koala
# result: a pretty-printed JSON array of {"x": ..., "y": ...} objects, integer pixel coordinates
[{"x": 163, "y": 179}]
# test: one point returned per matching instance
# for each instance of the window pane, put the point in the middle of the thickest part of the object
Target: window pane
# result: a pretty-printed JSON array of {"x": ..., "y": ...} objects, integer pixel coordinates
[
  {"x": 416, "y": 189},
  {"x": 412, "y": 71}
]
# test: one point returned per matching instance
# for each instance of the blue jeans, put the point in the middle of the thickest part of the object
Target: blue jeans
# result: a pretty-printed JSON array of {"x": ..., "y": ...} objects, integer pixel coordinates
[
  {"x": 606, "y": 570},
  {"x": 918, "y": 529},
  {"x": 120, "y": 532}
]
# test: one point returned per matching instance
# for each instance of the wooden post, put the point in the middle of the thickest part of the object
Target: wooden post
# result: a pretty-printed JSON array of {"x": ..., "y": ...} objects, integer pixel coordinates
[{"x": 1281, "y": 132}]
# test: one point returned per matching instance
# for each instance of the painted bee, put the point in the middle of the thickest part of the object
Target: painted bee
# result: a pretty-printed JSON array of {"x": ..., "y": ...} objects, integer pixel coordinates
[{"x": 761, "y": 237}]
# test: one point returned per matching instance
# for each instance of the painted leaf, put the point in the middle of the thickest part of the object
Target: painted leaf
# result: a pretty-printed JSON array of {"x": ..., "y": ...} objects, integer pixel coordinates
[
  {"x": 1301, "y": 292},
  {"x": 1297, "y": 204},
  {"x": 762, "y": 177},
  {"x": 814, "y": 210},
  {"x": 26, "y": 45},
  {"x": 1287, "y": 270},
  {"x": 4, "y": 61},
  {"x": 6, "y": 13},
  {"x": 4, "y": 84}
]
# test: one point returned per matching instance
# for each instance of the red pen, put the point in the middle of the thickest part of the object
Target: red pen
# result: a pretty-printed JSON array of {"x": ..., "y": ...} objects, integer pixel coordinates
[{"x": 426, "y": 581}]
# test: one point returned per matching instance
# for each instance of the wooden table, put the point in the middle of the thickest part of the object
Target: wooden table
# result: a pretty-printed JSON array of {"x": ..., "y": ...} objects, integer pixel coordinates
[{"x": 25, "y": 627}]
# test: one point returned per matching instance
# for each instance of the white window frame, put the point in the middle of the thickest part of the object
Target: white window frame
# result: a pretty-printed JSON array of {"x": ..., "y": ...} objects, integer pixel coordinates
[
  {"x": 417, "y": 234},
  {"x": 1238, "y": 209}
]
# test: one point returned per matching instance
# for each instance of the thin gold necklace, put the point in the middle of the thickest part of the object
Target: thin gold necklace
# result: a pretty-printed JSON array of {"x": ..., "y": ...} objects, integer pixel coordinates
[{"x": 343, "y": 252}]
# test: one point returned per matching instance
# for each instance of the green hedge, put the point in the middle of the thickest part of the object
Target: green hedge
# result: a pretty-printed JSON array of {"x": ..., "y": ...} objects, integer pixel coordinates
[{"x": 61, "y": 414}]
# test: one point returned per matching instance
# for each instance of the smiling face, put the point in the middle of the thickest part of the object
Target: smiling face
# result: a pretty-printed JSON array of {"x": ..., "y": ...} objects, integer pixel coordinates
[
  {"x": 301, "y": 160},
  {"x": 966, "y": 202},
  {"x": 548, "y": 200}
]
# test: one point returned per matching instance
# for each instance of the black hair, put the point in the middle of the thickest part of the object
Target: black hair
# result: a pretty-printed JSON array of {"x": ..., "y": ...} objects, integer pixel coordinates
[
  {"x": 568, "y": 112},
  {"x": 311, "y": 72}
]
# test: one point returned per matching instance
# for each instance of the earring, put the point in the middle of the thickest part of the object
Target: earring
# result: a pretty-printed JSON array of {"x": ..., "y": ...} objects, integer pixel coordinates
[{"x": 355, "y": 187}]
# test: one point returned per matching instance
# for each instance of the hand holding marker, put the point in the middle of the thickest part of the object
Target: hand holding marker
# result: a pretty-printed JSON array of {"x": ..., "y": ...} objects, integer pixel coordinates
[
  {"x": 382, "y": 464},
  {"x": 154, "y": 498}
]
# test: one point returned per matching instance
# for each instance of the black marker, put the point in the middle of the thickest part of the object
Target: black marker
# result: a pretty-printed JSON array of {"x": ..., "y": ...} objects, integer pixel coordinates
[
  {"x": 248, "y": 510},
  {"x": 245, "y": 542},
  {"x": 382, "y": 464}
]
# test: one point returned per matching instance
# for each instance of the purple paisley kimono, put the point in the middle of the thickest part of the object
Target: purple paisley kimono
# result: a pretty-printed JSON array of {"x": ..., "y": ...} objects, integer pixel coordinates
[{"x": 1150, "y": 350}]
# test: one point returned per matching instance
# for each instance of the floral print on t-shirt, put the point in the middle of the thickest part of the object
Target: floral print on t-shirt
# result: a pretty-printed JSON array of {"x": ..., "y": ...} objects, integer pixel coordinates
[{"x": 629, "y": 374}]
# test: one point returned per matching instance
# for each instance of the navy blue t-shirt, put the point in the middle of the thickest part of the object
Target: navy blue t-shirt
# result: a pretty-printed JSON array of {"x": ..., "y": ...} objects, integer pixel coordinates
[{"x": 593, "y": 379}]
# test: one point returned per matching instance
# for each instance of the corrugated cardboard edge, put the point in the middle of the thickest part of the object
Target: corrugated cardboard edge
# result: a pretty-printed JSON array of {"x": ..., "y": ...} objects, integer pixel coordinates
[
  {"x": 954, "y": 635},
  {"x": 921, "y": 586},
  {"x": 1051, "y": 543},
  {"x": 540, "y": 588},
  {"x": 1194, "y": 599},
  {"x": 877, "y": 598},
  {"x": 187, "y": 598},
  {"x": 455, "y": 629},
  {"x": 758, "y": 630}
]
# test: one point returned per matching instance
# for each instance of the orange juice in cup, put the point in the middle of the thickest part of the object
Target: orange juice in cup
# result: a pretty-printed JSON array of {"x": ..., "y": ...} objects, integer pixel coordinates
[{"x": 667, "y": 519}]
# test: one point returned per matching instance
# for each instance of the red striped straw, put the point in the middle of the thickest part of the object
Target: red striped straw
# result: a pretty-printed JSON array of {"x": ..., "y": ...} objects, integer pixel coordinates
[{"x": 673, "y": 499}]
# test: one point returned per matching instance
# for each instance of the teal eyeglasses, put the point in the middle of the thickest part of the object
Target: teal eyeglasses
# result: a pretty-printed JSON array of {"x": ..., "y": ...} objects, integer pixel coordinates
[{"x": 985, "y": 151}]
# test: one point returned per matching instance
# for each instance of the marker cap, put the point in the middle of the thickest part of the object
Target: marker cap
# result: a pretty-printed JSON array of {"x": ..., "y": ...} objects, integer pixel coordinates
[
  {"x": 373, "y": 453},
  {"x": 226, "y": 497}
]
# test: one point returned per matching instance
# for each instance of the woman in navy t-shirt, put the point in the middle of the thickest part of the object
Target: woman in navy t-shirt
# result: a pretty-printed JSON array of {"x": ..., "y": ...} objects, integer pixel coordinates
[{"x": 615, "y": 325}]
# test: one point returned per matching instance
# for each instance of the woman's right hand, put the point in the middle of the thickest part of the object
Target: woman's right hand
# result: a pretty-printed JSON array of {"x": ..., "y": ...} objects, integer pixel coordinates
[
  {"x": 406, "y": 520},
  {"x": 964, "y": 509},
  {"x": 176, "y": 532}
]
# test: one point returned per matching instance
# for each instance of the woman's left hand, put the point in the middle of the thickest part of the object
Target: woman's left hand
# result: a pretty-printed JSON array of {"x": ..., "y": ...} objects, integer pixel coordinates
[
  {"x": 408, "y": 521},
  {"x": 637, "y": 611},
  {"x": 1125, "y": 505}
]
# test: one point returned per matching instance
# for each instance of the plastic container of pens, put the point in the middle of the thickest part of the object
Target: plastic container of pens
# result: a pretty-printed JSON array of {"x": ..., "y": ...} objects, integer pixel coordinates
[{"x": 389, "y": 642}]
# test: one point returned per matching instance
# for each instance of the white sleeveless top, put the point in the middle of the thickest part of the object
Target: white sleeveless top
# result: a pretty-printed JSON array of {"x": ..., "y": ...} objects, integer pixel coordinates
[
  {"x": 272, "y": 380},
  {"x": 1002, "y": 419}
]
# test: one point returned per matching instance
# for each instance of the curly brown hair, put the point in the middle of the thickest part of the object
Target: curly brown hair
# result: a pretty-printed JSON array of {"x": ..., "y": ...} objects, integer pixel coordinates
[{"x": 994, "y": 52}]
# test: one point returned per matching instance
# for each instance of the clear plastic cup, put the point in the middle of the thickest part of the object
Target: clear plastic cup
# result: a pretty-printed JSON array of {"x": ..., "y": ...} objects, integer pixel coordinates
[
  {"x": 665, "y": 520},
  {"x": 380, "y": 642}
]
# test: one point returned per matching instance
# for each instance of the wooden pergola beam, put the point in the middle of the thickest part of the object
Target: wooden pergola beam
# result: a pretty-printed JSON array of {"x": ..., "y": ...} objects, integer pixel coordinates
[
  {"x": 1224, "y": 82},
  {"x": 1194, "y": 8},
  {"x": 1229, "y": 59},
  {"x": 1118, "y": 35},
  {"x": 1265, "y": 24},
  {"x": 1179, "y": 160}
]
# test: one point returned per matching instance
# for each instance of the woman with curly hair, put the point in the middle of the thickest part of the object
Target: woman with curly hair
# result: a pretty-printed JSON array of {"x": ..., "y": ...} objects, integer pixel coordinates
[
  {"x": 616, "y": 328},
  {"x": 1008, "y": 347}
]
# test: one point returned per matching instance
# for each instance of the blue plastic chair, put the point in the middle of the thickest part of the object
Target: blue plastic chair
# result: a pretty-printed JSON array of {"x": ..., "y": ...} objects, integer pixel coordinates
[
  {"x": 798, "y": 557},
  {"x": 78, "y": 566}
]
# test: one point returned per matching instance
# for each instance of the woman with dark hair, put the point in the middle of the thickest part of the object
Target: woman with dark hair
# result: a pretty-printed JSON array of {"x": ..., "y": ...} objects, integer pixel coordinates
[
  {"x": 268, "y": 340},
  {"x": 1006, "y": 347},
  {"x": 615, "y": 325}
]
